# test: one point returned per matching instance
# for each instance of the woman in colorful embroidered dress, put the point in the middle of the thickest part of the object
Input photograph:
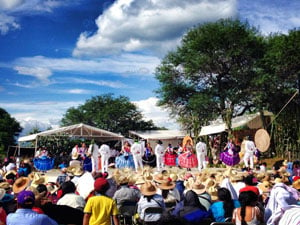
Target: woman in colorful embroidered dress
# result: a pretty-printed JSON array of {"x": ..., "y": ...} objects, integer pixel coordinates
[
  {"x": 230, "y": 156},
  {"x": 170, "y": 156},
  {"x": 188, "y": 159},
  {"x": 149, "y": 156},
  {"x": 125, "y": 159}
]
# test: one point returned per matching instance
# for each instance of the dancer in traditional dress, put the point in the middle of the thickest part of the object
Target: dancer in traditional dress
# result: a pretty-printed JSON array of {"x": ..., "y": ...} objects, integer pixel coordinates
[
  {"x": 170, "y": 156},
  {"x": 43, "y": 162},
  {"x": 149, "y": 156},
  {"x": 82, "y": 150},
  {"x": 105, "y": 154},
  {"x": 125, "y": 159},
  {"x": 188, "y": 159},
  {"x": 159, "y": 153},
  {"x": 137, "y": 151},
  {"x": 230, "y": 156},
  {"x": 201, "y": 151}
]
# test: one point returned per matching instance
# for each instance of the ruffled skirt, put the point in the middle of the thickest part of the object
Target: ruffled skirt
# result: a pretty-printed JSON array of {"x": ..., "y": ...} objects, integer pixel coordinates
[
  {"x": 170, "y": 159},
  {"x": 44, "y": 163},
  {"x": 187, "y": 160},
  {"x": 124, "y": 161},
  {"x": 229, "y": 160}
]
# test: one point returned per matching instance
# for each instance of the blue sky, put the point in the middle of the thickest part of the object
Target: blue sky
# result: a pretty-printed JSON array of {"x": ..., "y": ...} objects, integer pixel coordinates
[{"x": 56, "y": 54}]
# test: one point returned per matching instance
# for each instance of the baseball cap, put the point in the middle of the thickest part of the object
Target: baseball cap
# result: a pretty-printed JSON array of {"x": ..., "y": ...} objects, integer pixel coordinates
[
  {"x": 26, "y": 198},
  {"x": 100, "y": 184}
]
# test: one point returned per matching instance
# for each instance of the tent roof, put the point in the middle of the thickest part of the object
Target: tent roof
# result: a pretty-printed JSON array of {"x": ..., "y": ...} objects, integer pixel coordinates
[
  {"x": 253, "y": 121},
  {"x": 77, "y": 130},
  {"x": 159, "y": 134}
]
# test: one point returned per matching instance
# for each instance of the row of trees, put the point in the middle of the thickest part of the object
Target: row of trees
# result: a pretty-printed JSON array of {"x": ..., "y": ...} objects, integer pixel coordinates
[{"x": 228, "y": 68}]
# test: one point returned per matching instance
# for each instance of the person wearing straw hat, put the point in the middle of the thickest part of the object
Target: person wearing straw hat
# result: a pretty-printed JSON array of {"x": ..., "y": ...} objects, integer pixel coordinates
[
  {"x": 281, "y": 195},
  {"x": 137, "y": 150},
  {"x": 159, "y": 153},
  {"x": 125, "y": 193},
  {"x": 169, "y": 193},
  {"x": 201, "y": 151},
  {"x": 200, "y": 189},
  {"x": 193, "y": 212},
  {"x": 149, "y": 198}
]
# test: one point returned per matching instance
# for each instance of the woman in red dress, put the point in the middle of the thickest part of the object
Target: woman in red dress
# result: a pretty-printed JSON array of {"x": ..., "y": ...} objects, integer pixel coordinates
[
  {"x": 188, "y": 159},
  {"x": 170, "y": 156}
]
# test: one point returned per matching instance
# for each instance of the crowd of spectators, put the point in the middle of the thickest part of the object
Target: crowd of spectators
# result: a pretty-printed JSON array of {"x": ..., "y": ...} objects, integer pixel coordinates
[{"x": 123, "y": 196}]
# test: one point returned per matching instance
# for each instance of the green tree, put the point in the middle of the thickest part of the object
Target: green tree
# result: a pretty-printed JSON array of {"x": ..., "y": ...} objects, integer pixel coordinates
[
  {"x": 118, "y": 115},
  {"x": 277, "y": 86},
  {"x": 9, "y": 129},
  {"x": 210, "y": 72}
]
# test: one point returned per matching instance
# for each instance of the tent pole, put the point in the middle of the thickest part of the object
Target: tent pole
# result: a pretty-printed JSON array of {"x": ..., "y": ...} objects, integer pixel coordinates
[{"x": 36, "y": 142}]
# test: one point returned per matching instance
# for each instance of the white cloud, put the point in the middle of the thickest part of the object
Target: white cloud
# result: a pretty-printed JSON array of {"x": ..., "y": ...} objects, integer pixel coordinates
[
  {"x": 40, "y": 73},
  {"x": 124, "y": 64},
  {"x": 78, "y": 91},
  {"x": 153, "y": 112},
  {"x": 10, "y": 4},
  {"x": 12, "y": 10},
  {"x": 46, "y": 112},
  {"x": 133, "y": 25},
  {"x": 271, "y": 16},
  {"x": 111, "y": 84},
  {"x": 7, "y": 23}
]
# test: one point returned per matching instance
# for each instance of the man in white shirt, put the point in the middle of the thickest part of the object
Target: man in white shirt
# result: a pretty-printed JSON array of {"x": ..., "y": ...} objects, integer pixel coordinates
[
  {"x": 105, "y": 154},
  {"x": 201, "y": 151},
  {"x": 159, "y": 153},
  {"x": 137, "y": 153}
]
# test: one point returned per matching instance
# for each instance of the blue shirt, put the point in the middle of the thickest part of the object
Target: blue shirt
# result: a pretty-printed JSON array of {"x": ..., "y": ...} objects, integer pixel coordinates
[
  {"x": 28, "y": 217},
  {"x": 217, "y": 210}
]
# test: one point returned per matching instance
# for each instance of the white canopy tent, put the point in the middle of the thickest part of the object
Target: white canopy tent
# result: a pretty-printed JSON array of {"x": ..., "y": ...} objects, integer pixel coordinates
[
  {"x": 166, "y": 136},
  {"x": 252, "y": 121},
  {"x": 77, "y": 130}
]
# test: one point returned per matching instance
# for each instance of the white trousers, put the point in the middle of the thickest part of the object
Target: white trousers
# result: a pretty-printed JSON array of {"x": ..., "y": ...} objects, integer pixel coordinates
[
  {"x": 201, "y": 161},
  {"x": 95, "y": 164},
  {"x": 104, "y": 163},
  {"x": 138, "y": 162},
  {"x": 249, "y": 157},
  {"x": 159, "y": 162}
]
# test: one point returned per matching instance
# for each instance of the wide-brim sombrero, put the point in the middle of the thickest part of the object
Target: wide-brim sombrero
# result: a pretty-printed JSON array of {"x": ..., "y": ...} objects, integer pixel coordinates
[
  {"x": 186, "y": 139},
  {"x": 262, "y": 140}
]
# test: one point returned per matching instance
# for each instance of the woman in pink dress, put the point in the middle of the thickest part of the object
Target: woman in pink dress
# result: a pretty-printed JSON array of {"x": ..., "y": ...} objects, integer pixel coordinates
[
  {"x": 188, "y": 159},
  {"x": 170, "y": 156}
]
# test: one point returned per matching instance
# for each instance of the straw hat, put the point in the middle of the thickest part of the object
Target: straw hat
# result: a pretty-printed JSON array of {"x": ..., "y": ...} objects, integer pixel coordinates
[
  {"x": 139, "y": 180},
  {"x": 5, "y": 185},
  {"x": 149, "y": 177},
  {"x": 148, "y": 189},
  {"x": 198, "y": 187},
  {"x": 174, "y": 177},
  {"x": 75, "y": 155},
  {"x": 159, "y": 178},
  {"x": 10, "y": 172},
  {"x": 38, "y": 179},
  {"x": 20, "y": 184},
  {"x": 78, "y": 171},
  {"x": 123, "y": 179},
  {"x": 52, "y": 187},
  {"x": 296, "y": 184},
  {"x": 265, "y": 186},
  {"x": 167, "y": 184},
  {"x": 262, "y": 140}
]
